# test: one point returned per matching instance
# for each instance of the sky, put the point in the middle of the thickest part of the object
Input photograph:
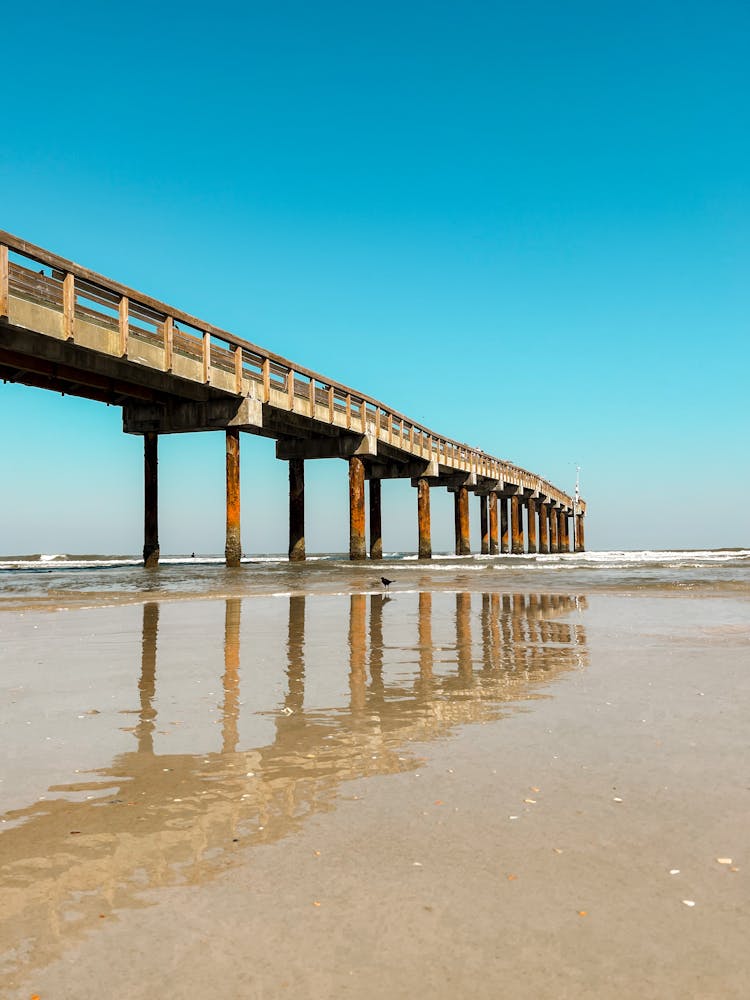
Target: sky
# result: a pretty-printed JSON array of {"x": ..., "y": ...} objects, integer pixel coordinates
[{"x": 526, "y": 226}]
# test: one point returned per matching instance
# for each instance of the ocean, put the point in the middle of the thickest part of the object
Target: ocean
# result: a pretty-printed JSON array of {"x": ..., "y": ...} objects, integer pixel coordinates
[{"x": 57, "y": 580}]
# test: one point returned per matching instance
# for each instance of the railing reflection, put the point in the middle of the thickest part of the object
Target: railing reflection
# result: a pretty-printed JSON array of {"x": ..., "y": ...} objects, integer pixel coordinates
[{"x": 435, "y": 661}]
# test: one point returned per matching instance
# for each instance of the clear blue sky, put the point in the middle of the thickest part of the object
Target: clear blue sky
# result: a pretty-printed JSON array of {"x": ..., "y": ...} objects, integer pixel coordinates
[{"x": 525, "y": 225}]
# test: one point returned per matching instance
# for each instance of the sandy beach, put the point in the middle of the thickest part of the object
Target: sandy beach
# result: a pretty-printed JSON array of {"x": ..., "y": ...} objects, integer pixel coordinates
[{"x": 437, "y": 794}]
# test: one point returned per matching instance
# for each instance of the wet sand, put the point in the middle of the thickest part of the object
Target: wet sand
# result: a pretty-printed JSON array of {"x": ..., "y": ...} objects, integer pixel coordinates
[{"x": 440, "y": 794}]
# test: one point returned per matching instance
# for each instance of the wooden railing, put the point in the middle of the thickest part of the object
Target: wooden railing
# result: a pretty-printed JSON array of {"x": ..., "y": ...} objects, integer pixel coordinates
[{"x": 83, "y": 295}]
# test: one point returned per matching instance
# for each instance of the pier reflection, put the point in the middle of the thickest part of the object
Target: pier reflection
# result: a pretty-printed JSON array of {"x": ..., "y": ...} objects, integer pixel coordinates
[{"x": 418, "y": 666}]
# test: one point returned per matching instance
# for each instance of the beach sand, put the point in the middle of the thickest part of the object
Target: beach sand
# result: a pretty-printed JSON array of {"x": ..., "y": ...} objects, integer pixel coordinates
[{"x": 495, "y": 795}]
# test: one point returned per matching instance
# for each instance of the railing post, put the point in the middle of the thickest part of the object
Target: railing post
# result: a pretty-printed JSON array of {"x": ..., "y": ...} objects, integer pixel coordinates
[
  {"x": 124, "y": 324},
  {"x": 168, "y": 343},
  {"x": 348, "y": 411},
  {"x": 4, "y": 273},
  {"x": 331, "y": 404},
  {"x": 266, "y": 370},
  {"x": 69, "y": 306},
  {"x": 238, "y": 369},
  {"x": 206, "y": 357},
  {"x": 290, "y": 390}
]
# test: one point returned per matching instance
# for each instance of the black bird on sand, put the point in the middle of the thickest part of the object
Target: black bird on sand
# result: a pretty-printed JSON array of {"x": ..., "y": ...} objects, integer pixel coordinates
[{"x": 386, "y": 582}]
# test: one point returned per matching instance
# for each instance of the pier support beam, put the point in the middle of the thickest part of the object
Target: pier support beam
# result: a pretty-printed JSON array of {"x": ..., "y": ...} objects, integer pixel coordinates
[
  {"x": 554, "y": 543},
  {"x": 484, "y": 526},
  {"x": 504, "y": 541},
  {"x": 357, "y": 542},
  {"x": 543, "y": 528},
  {"x": 531, "y": 524},
  {"x": 516, "y": 525},
  {"x": 423, "y": 519},
  {"x": 492, "y": 501},
  {"x": 296, "y": 509},
  {"x": 376, "y": 521},
  {"x": 461, "y": 509},
  {"x": 580, "y": 545},
  {"x": 233, "y": 547},
  {"x": 150, "y": 501}
]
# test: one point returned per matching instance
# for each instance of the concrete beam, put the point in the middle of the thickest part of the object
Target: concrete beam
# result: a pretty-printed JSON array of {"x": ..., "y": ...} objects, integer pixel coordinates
[
  {"x": 414, "y": 469},
  {"x": 183, "y": 417},
  {"x": 345, "y": 446},
  {"x": 486, "y": 486},
  {"x": 455, "y": 481}
]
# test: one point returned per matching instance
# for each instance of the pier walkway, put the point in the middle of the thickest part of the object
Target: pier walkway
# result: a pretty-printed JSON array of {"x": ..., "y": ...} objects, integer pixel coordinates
[{"x": 66, "y": 328}]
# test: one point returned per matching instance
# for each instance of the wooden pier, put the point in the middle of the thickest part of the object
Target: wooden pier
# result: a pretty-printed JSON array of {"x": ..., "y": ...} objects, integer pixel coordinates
[{"x": 66, "y": 328}]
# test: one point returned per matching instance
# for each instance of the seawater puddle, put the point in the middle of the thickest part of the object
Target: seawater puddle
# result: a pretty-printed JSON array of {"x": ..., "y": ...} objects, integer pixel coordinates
[{"x": 150, "y": 743}]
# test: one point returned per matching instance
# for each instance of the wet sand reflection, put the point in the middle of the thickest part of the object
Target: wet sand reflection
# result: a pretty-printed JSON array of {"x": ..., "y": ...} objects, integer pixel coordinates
[{"x": 418, "y": 666}]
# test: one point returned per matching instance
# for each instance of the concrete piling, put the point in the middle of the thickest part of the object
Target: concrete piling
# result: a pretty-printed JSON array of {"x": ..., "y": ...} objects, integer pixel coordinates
[
  {"x": 376, "y": 520},
  {"x": 150, "y": 501},
  {"x": 296, "y": 510}
]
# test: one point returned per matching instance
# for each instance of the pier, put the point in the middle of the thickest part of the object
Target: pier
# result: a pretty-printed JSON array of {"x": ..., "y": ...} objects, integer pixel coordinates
[{"x": 68, "y": 329}]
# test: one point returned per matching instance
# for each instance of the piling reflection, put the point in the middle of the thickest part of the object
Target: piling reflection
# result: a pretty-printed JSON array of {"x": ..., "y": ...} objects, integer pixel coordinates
[{"x": 418, "y": 666}]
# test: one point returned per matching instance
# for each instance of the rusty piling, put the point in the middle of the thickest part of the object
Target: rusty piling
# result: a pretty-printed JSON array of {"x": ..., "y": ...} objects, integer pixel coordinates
[
  {"x": 544, "y": 528},
  {"x": 531, "y": 524},
  {"x": 461, "y": 512},
  {"x": 423, "y": 519},
  {"x": 357, "y": 542},
  {"x": 504, "y": 538},
  {"x": 233, "y": 547},
  {"x": 580, "y": 545},
  {"x": 554, "y": 541},
  {"x": 516, "y": 525}
]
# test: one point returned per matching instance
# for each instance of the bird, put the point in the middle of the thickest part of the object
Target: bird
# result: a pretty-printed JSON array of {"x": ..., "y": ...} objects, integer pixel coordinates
[{"x": 386, "y": 582}]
